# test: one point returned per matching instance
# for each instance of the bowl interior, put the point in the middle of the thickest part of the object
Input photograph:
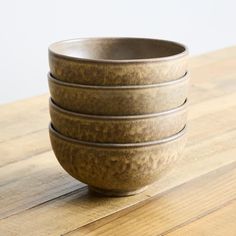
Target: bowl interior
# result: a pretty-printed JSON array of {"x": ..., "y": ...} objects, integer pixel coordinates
[{"x": 117, "y": 48}]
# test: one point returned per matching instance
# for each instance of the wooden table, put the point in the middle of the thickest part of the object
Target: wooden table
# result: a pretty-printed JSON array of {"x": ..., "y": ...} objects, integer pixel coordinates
[{"x": 198, "y": 197}]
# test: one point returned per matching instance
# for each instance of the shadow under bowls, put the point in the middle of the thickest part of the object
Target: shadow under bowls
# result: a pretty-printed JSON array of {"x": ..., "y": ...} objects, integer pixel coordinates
[
  {"x": 117, "y": 169},
  {"x": 119, "y": 100},
  {"x": 118, "y": 129},
  {"x": 117, "y": 61}
]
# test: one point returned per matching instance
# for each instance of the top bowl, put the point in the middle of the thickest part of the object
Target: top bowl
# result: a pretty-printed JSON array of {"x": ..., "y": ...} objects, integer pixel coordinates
[{"x": 117, "y": 61}]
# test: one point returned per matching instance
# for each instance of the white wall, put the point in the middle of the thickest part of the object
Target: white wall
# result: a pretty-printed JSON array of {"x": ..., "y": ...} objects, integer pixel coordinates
[{"x": 27, "y": 27}]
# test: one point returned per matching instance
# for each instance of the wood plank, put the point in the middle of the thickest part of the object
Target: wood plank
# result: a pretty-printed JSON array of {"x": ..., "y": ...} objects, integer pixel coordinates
[
  {"x": 27, "y": 146},
  {"x": 214, "y": 72},
  {"x": 212, "y": 57},
  {"x": 212, "y": 124},
  {"x": 211, "y": 106},
  {"x": 209, "y": 82},
  {"x": 218, "y": 223},
  {"x": 23, "y": 117},
  {"x": 41, "y": 178},
  {"x": 172, "y": 209}
]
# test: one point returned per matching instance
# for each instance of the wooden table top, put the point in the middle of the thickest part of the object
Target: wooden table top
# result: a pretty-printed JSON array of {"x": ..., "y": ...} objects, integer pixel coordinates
[{"x": 198, "y": 197}]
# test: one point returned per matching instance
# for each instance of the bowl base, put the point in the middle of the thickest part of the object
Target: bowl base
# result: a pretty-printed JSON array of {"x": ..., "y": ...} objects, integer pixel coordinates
[{"x": 114, "y": 193}]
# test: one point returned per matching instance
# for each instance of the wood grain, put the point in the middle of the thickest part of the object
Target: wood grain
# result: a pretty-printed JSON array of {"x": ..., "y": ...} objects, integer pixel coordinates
[
  {"x": 23, "y": 117},
  {"x": 27, "y": 146},
  {"x": 34, "y": 186},
  {"x": 218, "y": 223}
]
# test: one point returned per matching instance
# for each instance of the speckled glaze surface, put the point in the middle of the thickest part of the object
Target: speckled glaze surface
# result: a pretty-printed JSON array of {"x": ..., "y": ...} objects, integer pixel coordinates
[
  {"x": 117, "y": 61},
  {"x": 115, "y": 129},
  {"x": 119, "y": 100},
  {"x": 117, "y": 169}
]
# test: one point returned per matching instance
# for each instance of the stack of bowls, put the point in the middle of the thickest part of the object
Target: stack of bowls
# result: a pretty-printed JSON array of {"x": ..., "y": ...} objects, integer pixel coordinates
[{"x": 118, "y": 110}]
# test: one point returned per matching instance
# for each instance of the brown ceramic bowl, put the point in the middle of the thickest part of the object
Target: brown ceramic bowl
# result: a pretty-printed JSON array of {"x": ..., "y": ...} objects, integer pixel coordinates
[
  {"x": 119, "y": 100},
  {"x": 117, "y": 61},
  {"x": 118, "y": 129},
  {"x": 117, "y": 169}
]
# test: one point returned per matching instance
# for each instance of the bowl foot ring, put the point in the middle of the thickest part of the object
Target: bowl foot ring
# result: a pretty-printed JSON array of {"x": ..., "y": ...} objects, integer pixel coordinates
[{"x": 114, "y": 193}]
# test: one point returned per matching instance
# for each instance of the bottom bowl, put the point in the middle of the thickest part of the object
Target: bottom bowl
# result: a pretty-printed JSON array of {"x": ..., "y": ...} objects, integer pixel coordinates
[{"x": 116, "y": 169}]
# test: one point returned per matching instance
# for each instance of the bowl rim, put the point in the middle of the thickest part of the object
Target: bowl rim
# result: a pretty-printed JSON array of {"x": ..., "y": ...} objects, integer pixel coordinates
[
  {"x": 131, "y": 117},
  {"x": 51, "y": 78},
  {"x": 118, "y": 145},
  {"x": 53, "y": 52}
]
